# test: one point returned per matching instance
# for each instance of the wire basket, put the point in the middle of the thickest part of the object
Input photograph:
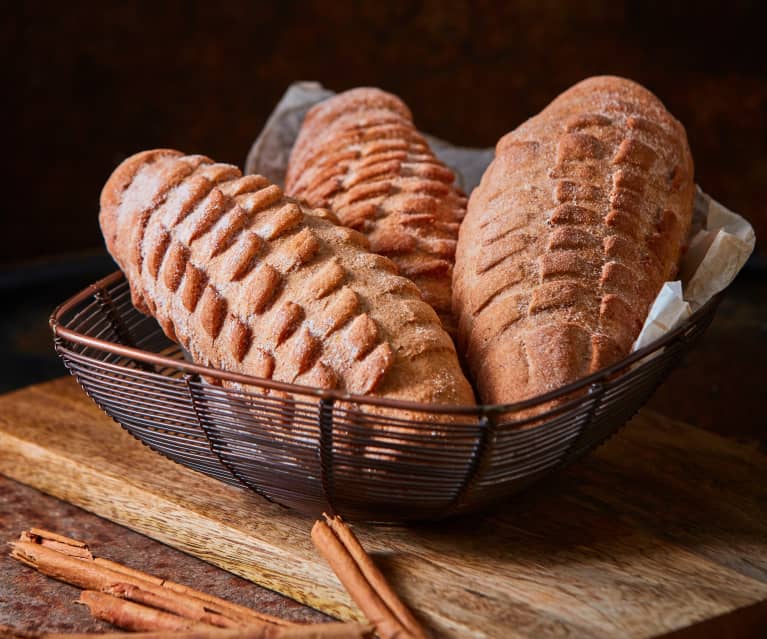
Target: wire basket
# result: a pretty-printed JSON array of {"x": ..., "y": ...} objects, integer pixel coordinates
[{"x": 316, "y": 450}]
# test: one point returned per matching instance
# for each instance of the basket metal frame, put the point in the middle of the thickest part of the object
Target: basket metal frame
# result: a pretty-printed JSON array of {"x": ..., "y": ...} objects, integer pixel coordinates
[{"x": 316, "y": 449}]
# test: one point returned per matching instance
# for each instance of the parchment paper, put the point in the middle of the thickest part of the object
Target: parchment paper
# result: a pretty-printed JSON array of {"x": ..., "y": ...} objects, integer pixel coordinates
[{"x": 720, "y": 240}]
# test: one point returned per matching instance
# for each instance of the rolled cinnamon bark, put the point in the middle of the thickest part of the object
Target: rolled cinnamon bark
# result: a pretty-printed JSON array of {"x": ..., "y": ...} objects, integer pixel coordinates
[
  {"x": 133, "y": 616},
  {"x": 364, "y": 581},
  {"x": 105, "y": 576},
  {"x": 311, "y": 631}
]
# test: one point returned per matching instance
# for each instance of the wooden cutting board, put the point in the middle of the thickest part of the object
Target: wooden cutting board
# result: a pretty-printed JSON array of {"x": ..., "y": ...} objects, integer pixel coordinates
[{"x": 663, "y": 527}]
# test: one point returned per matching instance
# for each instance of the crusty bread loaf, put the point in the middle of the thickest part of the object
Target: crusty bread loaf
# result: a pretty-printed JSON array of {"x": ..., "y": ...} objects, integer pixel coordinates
[
  {"x": 578, "y": 221},
  {"x": 360, "y": 155},
  {"x": 250, "y": 281}
]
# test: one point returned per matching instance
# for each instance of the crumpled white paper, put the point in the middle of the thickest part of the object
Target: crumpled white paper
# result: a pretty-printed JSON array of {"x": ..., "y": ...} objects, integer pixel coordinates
[
  {"x": 720, "y": 240},
  {"x": 716, "y": 252}
]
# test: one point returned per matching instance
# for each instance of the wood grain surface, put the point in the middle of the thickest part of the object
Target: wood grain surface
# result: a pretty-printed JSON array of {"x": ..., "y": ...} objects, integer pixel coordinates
[{"x": 662, "y": 528}]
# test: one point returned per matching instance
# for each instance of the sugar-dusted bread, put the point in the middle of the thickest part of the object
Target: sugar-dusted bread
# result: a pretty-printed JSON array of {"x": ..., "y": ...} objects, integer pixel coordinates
[
  {"x": 360, "y": 155},
  {"x": 252, "y": 282},
  {"x": 580, "y": 218}
]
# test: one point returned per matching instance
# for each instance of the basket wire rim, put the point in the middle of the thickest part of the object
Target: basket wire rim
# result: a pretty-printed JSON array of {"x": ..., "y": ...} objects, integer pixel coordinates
[{"x": 63, "y": 332}]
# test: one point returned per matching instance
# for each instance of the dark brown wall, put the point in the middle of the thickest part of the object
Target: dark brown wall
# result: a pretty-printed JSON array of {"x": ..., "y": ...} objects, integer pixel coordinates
[{"x": 89, "y": 83}]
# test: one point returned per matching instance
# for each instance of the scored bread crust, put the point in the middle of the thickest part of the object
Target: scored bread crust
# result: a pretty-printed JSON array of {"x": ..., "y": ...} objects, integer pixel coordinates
[
  {"x": 360, "y": 155},
  {"x": 252, "y": 282},
  {"x": 578, "y": 221}
]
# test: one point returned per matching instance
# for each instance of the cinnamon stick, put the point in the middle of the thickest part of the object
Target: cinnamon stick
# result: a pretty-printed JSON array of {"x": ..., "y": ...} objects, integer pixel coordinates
[
  {"x": 334, "y": 630},
  {"x": 188, "y": 609},
  {"x": 141, "y": 602},
  {"x": 134, "y": 616},
  {"x": 364, "y": 581},
  {"x": 312, "y": 631},
  {"x": 102, "y": 575},
  {"x": 211, "y": 603},
  {"x": 126, "y": 570},
  {"x": 41, "y": 534},
  {"x": 60, "y": 543}
]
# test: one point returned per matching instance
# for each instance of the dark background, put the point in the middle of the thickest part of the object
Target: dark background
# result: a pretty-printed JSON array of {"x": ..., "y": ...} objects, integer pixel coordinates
[
  {"x": 93, "y": 82},
  {"x": 87, "y": 84}
]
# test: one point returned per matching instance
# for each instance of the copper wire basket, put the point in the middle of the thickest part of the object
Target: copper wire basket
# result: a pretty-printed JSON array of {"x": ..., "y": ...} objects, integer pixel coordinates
[{"x": 316, "y": 450}]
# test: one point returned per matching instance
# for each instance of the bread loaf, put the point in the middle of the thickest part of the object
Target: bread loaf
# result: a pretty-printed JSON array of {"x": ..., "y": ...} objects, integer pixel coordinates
[
  {"x": 580, "y": 218},
  {"x": 252, "y": 282},
  {"x": 360, "y": 155}
]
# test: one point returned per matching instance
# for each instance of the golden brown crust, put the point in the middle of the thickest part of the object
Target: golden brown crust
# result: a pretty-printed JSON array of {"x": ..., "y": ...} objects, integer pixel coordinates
[
  {"x": 576, "y": 224},
  {"x": 250, "y": 281},
  {"x": 360, "y": 155}
]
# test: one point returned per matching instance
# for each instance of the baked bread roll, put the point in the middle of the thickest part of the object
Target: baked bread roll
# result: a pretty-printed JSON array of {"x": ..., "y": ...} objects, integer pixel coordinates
[
  {"x": 360, "y": 155},
  {"x": 252, "y": 282},
  {"x": 578, "y": 221}
]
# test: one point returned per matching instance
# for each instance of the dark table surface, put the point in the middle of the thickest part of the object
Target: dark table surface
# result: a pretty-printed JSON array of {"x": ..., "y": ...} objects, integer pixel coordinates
[{"x": 32, "y": 601}]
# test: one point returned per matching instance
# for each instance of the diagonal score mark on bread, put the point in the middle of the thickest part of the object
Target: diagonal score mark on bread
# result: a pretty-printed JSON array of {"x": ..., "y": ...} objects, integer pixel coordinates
[
  {"x": 360, "y": 155},
  {"x": 584, "y": 211},
  {"x": 253, "y": 282}
]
